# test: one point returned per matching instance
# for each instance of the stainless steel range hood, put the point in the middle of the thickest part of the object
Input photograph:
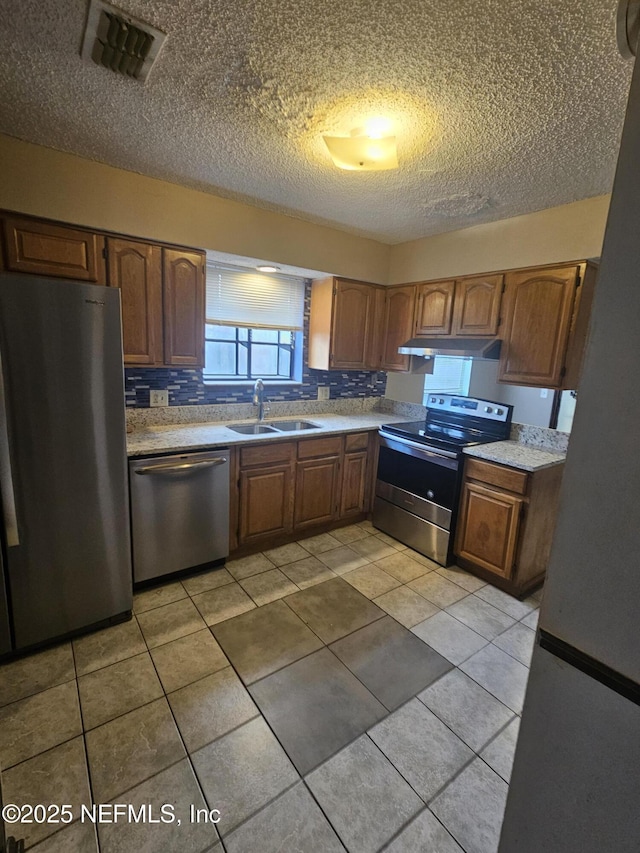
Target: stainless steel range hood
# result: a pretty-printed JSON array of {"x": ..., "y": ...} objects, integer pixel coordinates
[{"x": 465, "y": 347}]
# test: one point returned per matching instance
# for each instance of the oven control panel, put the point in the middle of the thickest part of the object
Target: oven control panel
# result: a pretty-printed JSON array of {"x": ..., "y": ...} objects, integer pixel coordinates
[{"x": 486, "y": 409}]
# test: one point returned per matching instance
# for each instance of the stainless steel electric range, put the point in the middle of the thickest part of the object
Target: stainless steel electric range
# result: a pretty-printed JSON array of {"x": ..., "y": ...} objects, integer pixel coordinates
[{"x": 420, "y": 470}]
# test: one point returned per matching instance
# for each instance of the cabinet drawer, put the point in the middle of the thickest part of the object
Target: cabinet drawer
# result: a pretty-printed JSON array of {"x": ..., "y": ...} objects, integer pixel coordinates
[
  {"x": 330, "y": 446},
  {"x": 497, "y": 475},
  {"x": 266, "y": 454},
  {"x": 356, "y": 441}
]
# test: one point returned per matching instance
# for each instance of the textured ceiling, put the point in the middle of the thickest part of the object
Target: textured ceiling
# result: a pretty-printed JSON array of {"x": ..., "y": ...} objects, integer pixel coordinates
[{"x": 501, "y": 107}]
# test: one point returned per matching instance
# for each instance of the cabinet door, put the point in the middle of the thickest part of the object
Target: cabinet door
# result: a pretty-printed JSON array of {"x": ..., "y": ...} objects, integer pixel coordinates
[
  {"x": 398, "y": 326},
  {"x": 41, "y": 248},
  {"x": 317, "y": 482},
  {"x": 351, "y": 326},
  {"x": 266, "y": 506},
  {"x": 538, "y": 311},
  {"x": 183, "y": 293},
  {"x": 488, "y": 528},
  {"x": 435, "y": 307},
  {"x": 376, "y": 331},
  {"x": 477, "y": 305},
  {"x": 136, "y": 269},
  {"x": 354, "y": 484}
]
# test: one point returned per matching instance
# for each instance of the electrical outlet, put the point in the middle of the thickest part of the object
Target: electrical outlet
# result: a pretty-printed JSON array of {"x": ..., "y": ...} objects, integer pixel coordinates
[
  {"x": 323, "y": 392},
  {"x": 158, "y": 398},
  {"x": 543, "y": 393}
]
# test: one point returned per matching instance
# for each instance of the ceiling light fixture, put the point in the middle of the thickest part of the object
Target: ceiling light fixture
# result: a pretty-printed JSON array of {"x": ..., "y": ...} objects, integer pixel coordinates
[
  {"x": 267, "y": 268},
  {"x": 366, "y": 149}
]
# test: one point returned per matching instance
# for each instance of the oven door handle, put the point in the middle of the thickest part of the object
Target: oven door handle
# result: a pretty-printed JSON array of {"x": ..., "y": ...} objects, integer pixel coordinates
[{"x": 417, "y": 448}]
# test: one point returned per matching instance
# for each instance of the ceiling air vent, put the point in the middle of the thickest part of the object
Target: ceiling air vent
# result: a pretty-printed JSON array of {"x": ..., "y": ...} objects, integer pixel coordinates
[{"x": 120, "y": 43}]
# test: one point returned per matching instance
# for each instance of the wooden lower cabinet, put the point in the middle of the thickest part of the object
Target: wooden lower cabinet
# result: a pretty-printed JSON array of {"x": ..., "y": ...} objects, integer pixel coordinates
[
  {"x": 358, "y": 473},
  {"x": 266, "y": 502},
  {"x": 317, "y": 490},
  {"x": 491, "y": 526},
  {"x": 353, "y": 499},
  {"x": 286, "y": 487},
  {"x": 506, "y": 522}
]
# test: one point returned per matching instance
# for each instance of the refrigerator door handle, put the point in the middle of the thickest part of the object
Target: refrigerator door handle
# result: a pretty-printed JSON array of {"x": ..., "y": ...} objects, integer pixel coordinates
[
  {"x": 183, "y": 467},
  {"x": 6, "y": 475}
]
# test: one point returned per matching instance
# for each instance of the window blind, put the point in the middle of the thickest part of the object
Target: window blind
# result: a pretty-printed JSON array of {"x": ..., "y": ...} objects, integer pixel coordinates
[{"x": 239, "y": 297}]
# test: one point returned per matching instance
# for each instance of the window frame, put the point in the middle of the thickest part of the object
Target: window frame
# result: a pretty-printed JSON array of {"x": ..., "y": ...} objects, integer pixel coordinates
[{"x": 249, "y": 378}]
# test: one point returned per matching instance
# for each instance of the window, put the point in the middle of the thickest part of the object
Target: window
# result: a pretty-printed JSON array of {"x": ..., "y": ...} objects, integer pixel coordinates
[
  {"x": 253, "y": 326},
  {"x": 451, "y": 375}
]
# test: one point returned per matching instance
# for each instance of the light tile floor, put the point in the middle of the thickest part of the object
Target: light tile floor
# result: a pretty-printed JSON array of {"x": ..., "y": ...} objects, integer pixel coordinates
[{"x": 343, "y": 691}]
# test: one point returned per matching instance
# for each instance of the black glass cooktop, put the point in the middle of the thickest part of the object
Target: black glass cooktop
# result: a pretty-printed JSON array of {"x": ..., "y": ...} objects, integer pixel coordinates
[{"x": 447, "y": 437}]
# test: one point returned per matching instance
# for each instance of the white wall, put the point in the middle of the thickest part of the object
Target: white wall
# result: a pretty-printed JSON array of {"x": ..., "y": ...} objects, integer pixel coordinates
[
  {"x": 43, "y": 182},
  {"x": 529, "y": 406},
  {"x": 565, "y": 233}
]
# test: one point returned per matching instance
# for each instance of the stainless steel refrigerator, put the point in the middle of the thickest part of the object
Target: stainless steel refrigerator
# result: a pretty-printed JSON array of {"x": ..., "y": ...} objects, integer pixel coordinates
[
  {"x": 63, "y": 475},
  {"x": 575, "y": 786}
]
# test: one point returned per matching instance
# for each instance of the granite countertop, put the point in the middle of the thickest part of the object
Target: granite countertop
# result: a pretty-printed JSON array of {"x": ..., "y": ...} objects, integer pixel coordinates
[
  {"x": 198, "y": 436},
  {"x": 517, "y": 455}
]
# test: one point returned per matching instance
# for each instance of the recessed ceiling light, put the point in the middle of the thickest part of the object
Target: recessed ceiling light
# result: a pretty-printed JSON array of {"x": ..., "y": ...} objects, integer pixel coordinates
[{"x": 267, "y": 268}]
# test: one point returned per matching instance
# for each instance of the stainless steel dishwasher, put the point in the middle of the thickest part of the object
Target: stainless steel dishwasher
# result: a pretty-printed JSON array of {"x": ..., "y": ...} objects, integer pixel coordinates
[{"x": 179, "y": 512}]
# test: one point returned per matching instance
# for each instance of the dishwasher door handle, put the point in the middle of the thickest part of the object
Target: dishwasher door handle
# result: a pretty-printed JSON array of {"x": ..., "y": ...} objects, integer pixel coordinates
[{"x": 183, "y": 467}]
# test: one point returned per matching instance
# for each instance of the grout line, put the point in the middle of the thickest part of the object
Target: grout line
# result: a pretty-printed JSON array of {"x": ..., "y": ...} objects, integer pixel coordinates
[
  {"x": 414, "y": 818},
  {"x": 260, "y": 715},
  {"x": 323, "y": 812},
  {"x": 187, "y": 754}
]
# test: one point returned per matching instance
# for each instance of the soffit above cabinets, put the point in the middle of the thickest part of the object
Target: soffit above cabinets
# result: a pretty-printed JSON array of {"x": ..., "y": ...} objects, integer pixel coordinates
[{"x": 500, "y": 108}]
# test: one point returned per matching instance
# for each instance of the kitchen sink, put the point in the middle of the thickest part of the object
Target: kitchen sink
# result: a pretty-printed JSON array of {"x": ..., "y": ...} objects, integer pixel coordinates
[
  {"x": 293, "y": 426},
  {"x": 252, "y": 429},
  {"x": 278, "y": 426}
]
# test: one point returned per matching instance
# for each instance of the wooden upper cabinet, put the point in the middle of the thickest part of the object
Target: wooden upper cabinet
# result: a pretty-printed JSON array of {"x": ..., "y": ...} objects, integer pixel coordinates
[
  {"x": 343, "y": 325},
  {"x": 162, "y": 302},
  {"x": 136, "y": 268},
  {"x": 477, "y": 305},
  {"x": 434, "y": 308},
  {"x": 59, "y": 251},
  {"x": 538, "y": 312},
  {"x": 398, "y": 326},
  {"x": 353, "y": 314},
  {"x": 184, "y": 308}
]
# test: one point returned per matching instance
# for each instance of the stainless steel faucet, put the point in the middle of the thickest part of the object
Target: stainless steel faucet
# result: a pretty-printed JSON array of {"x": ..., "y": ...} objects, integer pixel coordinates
[{"x": 258, "y": 399}]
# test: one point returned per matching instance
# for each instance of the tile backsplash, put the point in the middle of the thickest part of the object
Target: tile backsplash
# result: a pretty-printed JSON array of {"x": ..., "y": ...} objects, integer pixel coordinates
[{"x": 187, "y": 388}]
